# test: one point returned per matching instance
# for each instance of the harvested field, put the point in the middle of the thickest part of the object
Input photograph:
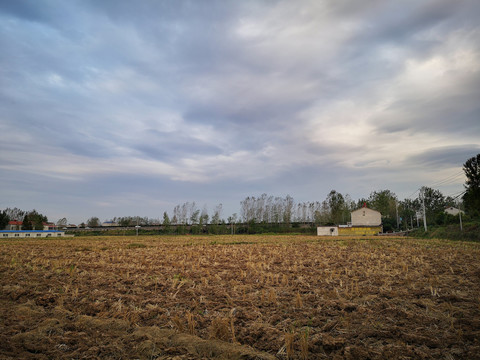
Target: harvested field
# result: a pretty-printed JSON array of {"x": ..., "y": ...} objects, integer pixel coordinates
[{"x": 239, "y": 297}]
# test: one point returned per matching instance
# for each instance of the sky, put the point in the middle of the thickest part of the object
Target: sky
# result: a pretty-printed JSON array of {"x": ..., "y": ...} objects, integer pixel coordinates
[{"x": 128, "y": 108}]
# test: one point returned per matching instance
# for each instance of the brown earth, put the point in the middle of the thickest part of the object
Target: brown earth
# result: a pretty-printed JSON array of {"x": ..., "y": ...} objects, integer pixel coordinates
[{"x": 240, "y": 297}]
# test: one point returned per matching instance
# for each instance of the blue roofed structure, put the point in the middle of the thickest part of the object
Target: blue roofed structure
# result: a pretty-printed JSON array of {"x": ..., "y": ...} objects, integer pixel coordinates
[{"x": 31, "y": 233}]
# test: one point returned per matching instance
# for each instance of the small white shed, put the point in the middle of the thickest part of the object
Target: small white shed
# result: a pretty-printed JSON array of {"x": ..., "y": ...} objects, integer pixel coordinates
[
  {"x": 327, "y": 231},
  {"x": 453, "y": 211}
]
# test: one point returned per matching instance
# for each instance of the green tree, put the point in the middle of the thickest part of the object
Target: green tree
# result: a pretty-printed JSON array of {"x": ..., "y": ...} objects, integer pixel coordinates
[
  {"x": 384, "y": 201},
  {"x": 204, "y": 216},
  {"x": 471, "y": 198},
  {"x": 166, "y": 219},
  {"x": 124, "y": 221},
  {"x": 194, "y": 217},
  {"x": 336, "y": 204},
  {"x": 435, "y": 203},
  {"x": 33, "y": 220},
  {"x": 407, "y": 210},
  {"x": 166, "y": 222},
  {"x": 4, "y": 219},
  {"x": 93, "y": 222}
]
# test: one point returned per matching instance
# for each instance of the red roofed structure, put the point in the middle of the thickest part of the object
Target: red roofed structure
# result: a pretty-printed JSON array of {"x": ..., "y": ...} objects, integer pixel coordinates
[{"x": 15, "y": 225}]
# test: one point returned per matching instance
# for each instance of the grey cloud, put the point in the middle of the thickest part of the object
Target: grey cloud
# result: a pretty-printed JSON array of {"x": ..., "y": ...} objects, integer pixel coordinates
[
  {"x": 31, "y": 11},
  {"x": 399, "y": 26},
  {"x": 444, "y": 156},
  {"x": 446, "y": 114},
  {"x": 173, "y": 146},
  {"x": 140, "y": 80}
]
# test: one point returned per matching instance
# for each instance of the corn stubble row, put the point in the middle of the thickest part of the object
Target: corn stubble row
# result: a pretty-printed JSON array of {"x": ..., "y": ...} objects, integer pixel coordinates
[{"x": 294, "y": 297}]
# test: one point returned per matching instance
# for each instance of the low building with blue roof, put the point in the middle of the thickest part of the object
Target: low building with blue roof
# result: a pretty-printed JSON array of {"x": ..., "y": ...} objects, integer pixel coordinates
[{"x": 31, "y": 233}]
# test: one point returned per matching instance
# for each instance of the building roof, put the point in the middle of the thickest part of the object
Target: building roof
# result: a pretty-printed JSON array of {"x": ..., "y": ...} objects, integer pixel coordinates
[{"x": 15, "y": 222}]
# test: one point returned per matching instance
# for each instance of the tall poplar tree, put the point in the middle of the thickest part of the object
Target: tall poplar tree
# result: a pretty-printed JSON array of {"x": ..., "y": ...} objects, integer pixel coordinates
[{"x": 471, "y": 198}]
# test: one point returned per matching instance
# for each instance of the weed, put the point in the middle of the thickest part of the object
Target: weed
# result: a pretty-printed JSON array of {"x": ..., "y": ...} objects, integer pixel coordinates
[
  {"x": 298, "y": 301},
  {"x": 191, "y": 322},
  {"x": 289, "y": 339},
  {"x": 304, "y": 344}
]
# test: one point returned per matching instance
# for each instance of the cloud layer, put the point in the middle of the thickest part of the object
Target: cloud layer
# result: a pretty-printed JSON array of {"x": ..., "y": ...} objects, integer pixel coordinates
[{"x": 116, "y": 107}]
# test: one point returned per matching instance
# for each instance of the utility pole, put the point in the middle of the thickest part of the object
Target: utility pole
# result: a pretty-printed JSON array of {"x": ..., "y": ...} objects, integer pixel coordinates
[
  {"x": 424, "y": 213},
  {"x": 460, "y": 216},
  {"x": 396, "y": 210}
]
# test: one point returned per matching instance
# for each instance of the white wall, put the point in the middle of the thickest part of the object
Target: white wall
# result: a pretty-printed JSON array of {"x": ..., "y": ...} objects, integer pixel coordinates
[
  {"x": 327, "y": 231},
  {"x": 366, "y": 217},
  {"x": 30, "y": 234},
  {"x": 453, "y": 211}
]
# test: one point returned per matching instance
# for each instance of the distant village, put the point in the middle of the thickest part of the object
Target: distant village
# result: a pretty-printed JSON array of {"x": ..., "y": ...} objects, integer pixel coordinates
[
  {"x": 15, "y": 229},
  {"x": 364, "y": 222}
]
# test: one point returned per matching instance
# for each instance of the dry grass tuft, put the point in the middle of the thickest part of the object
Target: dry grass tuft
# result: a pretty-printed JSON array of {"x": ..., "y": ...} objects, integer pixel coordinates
[
  {"x": 222, "y": 329},
  {"x": 289, "y": 340}
]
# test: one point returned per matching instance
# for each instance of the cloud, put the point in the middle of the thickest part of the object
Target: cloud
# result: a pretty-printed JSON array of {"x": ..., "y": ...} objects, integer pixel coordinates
[
  {"x": 237, "y": 96},
  {"x": 446, "y": 156}
]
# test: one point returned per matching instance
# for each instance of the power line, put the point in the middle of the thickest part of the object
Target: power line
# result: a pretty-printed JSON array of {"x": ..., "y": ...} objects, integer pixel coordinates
[
  {"x": 442, "y": 182},
  {"x": 448, "y": 180},
  {"x": 458, "y": 194},
  {"x": 411, "y": 196}
]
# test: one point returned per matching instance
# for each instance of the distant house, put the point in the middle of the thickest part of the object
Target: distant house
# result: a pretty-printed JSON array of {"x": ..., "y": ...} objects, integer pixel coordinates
[
  {"x": 18, "y": 225},
  {"x": 15, "y": 225},
  {"x": 31, "y": 233},
  {"x": 109, "y": 223},
  {"x": 364, "y": 222},
  {"x": 49, "y": 226},
  {"x": 453, "y": 211},
  {"x": 366, "y": 217}
]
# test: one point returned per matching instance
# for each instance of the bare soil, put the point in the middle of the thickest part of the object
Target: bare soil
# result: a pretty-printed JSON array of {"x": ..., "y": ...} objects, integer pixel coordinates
[{"x": 239, "y": 297}]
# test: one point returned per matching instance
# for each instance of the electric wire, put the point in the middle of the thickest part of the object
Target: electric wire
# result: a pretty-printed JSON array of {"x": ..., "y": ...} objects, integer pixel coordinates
[
  {"x": 451, "y": 179},
  {"x": 448, "y": 180}
]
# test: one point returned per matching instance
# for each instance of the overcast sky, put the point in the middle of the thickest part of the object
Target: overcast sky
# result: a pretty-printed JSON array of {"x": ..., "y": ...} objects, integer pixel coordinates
[{"x": 117, "y": 108}]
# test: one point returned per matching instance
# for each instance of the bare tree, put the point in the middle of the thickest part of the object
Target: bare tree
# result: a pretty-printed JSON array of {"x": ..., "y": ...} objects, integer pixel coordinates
[
  {"x": 217, "y": 214},
  {"x": 204, "y": 216},
  {"x": 62, "y": 222},
  {"x": 288, "y": 207},
  {"x": 15, "y": 213}
]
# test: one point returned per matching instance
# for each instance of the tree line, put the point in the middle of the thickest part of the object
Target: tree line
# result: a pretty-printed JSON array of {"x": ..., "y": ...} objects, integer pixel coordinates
[
  {"x": 32, "y": 219},
  {"x": 335, "y": 209}
]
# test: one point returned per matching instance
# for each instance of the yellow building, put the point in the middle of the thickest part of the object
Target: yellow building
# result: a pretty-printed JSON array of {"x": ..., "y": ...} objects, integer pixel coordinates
[
  {"x": 365, "y": 222},
  {"x": 360, "y": 230}
]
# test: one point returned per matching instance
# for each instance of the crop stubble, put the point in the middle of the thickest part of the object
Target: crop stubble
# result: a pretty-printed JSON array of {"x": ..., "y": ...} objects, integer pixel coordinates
[{"x": 201, "y": 297}]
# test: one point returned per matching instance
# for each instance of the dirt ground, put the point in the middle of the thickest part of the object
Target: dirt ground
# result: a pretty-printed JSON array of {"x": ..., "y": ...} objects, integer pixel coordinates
[{"x": 239, "y": 297}]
